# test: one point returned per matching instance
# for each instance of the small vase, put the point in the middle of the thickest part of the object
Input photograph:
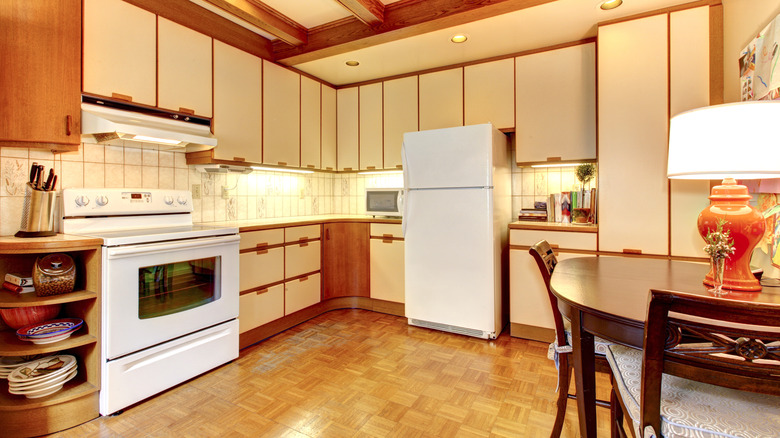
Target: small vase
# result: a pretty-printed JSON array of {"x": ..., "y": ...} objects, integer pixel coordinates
[{"x": 718, "y": 265}]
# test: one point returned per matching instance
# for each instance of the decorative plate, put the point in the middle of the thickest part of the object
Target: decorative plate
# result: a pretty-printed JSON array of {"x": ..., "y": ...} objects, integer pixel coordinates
[
  {"x": 52, "y": 365},
  {"x": 45, "y": 390},
  {"x": 51, "y": 328}
]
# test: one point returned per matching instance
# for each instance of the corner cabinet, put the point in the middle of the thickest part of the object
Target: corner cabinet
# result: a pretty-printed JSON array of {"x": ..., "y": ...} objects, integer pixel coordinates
[
  {"x": 41, "y": 74},
  {"x": 77, "y": 402}
]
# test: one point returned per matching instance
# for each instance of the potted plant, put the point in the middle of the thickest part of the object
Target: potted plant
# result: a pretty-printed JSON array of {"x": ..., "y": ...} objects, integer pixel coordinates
[{"x": 585, "y": 173}]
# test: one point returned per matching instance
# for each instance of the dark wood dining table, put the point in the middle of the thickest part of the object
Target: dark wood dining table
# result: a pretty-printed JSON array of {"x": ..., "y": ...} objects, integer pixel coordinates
[{"x": 607, "y": 297}]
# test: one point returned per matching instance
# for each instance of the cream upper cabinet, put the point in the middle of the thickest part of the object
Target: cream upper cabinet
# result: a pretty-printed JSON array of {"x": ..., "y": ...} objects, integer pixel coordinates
[
  {"x": 633, "y": 126},
  {"x": 489, "y": 93},
  {"x": 328, "y": 128},
  {"x": 370, "y": 119},
  {"x": 441, "y": 99},
  {"x": 238, "y": 110},
  {"x": 347, "y": 125},
  {"x": 183, "y": 69},
  {"x": 120, "y": 61},
  {"x": 400, "y": 116},
  {"x": 310, "y": 123},
  {"x": 556, "y": 105},
  {"x": 689, "y": 88},
  {"x": 281, "y": 115}
]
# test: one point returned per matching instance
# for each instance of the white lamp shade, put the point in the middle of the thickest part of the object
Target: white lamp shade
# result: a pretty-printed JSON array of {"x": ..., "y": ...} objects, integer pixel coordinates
[{"x": 736, "y": 140}]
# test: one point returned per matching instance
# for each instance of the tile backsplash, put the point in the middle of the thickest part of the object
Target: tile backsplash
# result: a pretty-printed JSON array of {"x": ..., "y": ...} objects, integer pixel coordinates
[{"x": 260, "y": 194}]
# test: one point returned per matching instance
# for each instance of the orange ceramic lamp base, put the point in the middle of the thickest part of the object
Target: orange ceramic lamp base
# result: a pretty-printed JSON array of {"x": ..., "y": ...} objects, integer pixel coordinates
[{"x": 746, "y": 225}]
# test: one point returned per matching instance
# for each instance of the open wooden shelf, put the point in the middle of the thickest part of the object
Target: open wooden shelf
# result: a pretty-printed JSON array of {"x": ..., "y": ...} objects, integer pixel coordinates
[
  {"x": 74, "y": 389},
  {"x": 11, "y": 345},
  {"x": 11, "y": 299}
]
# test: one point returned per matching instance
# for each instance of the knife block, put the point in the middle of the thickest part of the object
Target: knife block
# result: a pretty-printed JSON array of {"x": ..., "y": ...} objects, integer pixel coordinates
[{"x": 38, "y": 213}]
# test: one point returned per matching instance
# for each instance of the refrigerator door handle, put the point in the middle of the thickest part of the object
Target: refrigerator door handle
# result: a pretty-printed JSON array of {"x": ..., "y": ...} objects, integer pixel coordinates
[{"x": 405, "y": 208}]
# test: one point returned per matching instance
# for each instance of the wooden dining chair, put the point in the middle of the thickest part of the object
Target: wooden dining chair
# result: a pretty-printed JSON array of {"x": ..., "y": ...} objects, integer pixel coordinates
[
  {"x": 561, "y": 348},
  {"x": 710, "y": 367}
]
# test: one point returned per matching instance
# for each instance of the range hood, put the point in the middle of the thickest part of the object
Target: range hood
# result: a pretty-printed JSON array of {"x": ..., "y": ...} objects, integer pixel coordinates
[{"x": 104, "y": 121}]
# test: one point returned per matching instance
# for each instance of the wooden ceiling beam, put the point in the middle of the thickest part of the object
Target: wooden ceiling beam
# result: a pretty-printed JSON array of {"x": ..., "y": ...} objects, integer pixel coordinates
[
  {"x": 265, "y": 18},
  {"x": 370, "y": 12},
  {"x": 402, "y": 19}
]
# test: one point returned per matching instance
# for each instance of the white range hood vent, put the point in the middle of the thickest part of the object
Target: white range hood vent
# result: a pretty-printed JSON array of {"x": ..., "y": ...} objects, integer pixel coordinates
[
  {"x": 104, "y": 120},
  {"x": 222, "y": 168}
]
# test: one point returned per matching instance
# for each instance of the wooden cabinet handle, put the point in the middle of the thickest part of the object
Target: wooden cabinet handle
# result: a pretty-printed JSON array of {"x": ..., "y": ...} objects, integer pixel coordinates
[
  {"x": 399, "y": 166},
  {"x": 386, "y": 240},
  {"x": 302, "y": 244},
  {"x": 347, "y": 168},
  {"x": 122, "y": 97},
  {"x": 370, "y": 167},
  {"x": 261, "y": 251},
  {"x": 239, "y": 159},
  {"x": 310, "y": 166},
  {"x": 387, "y": 236},
  {"x": 327, "y": 234},
  {"x": 553, "y": 158},
  {"x": 262, "y": 291},
  {"x": 68, "y": 124},
  {"x": 282, "y": 163},
  {"x": 186, "y": 111},
  {"x": 328, "y": 168},
  {"x": 631, "y": 251},
  {"x": 304, "y": 279}
]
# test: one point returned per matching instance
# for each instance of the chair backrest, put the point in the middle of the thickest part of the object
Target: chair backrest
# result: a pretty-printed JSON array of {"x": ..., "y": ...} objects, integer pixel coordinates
[
  {"x": 545, "y": 258},
  {"x": 735, "y": 344}
]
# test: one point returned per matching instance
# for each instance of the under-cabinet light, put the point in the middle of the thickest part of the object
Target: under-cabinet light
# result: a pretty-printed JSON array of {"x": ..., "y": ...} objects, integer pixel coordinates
[
  {"x": 538, "y": 166},
  {"x": 279, "y": 169},
  {"x": 148, "y": 139},
  {"x": 381, "y": 172}
]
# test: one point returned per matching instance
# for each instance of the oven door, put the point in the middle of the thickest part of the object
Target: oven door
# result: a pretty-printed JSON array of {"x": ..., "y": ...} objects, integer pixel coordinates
[{"x": 156, "y": 292}]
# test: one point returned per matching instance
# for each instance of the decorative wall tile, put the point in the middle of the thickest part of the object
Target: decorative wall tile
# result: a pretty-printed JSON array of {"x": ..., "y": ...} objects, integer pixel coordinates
[{"x": 15, "y": 174}]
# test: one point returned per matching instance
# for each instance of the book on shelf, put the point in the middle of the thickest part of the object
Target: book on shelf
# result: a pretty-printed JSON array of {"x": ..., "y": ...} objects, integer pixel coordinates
[
  {"x": 7, "y": 285},
  {"x": 19, "y": 279}
]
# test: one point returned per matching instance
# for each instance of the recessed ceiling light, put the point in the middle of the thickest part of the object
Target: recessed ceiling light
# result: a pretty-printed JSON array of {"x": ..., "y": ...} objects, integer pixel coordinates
[
  {"x": 352, "y": 63},
  {"x": 459, "y": 38},
  {"x": 610, "y": 4}
]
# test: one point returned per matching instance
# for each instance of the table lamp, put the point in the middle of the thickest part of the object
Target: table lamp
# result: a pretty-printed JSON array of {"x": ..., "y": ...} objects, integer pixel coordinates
[{"x": 729, "y": 142}]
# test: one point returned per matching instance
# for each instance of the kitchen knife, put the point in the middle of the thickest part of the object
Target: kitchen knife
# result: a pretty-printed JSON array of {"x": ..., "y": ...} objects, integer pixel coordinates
[
  {"x": 38, "y": 177},
  {"x": 33, "y": 172},
  {"x": 53, "y": 183},
  {"x": 47, "y": 184}
]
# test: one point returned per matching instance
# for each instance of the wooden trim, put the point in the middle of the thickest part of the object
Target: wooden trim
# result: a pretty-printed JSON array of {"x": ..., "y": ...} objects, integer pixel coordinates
[
  {"x": 402, "y": 19},
  {"x": 469, "y": 63},
  {"x": 553, "y": 226},
  {"x": 667, "y": 10},
  {"x": 272, "y": 328},
  {"x": 716, "y": 54},
  {"x": 668, "y": 118},
  {"x": 189, "y": 14},
  {"x": 265, "y": 18},
  {"x": 534, "y": 333}
]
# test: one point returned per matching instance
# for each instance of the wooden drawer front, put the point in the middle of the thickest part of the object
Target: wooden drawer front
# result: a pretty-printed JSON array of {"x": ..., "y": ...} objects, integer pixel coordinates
[
  {"x": 306, "y": 232},
  {"x": 559, "y": 239},
  {"x": 254, "y": 239},
  {"x": 261, "y": 307},
  {"x": 302, "y": 293},
  {"x": 387, "y": 270},
  {"x": 387, "y": 230},
  {"x": 260, "y": 269},
  {"x": 301, "y": 258}
]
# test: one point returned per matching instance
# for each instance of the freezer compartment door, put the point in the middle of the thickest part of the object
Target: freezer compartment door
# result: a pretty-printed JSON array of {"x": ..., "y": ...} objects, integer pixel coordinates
[
  {"x": 451, "y": 157},
  {"x": 452, "y": 262}
]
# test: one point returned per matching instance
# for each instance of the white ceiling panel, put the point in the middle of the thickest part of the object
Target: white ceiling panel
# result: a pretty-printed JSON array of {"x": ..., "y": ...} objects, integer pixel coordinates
[{"x": 310, "y": 13}]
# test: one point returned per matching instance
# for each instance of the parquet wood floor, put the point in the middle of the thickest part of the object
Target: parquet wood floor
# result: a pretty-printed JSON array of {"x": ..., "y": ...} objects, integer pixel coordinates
[{"x": 356, "y": 373}]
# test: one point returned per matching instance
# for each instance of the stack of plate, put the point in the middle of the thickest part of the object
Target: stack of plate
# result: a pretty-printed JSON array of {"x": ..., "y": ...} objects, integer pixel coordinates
[
  {"x": 49, "y": 331},
  {"x": 9, "y": 363},
  {"x": 42, "y": 377}
]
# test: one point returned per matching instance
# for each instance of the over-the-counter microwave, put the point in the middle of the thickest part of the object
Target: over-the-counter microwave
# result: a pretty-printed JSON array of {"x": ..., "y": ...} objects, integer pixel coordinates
[{"x": 385, "y": 202}]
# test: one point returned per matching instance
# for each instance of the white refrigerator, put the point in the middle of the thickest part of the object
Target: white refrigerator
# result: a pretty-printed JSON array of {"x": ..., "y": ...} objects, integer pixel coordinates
[{"x": 457, "y": 207}]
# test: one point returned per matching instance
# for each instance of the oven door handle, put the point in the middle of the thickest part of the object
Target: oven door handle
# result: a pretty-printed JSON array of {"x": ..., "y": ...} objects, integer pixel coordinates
[{"x": 204, "y": 242}]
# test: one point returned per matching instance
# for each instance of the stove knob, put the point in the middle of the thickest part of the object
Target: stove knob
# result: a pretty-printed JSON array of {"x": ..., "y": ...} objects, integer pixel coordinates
[
  {"x": 82, "y": 200},
  {"x": 182, "y": 200},
  {"x": 168, "y": 199},
  {"x": 101, "y": 200}
]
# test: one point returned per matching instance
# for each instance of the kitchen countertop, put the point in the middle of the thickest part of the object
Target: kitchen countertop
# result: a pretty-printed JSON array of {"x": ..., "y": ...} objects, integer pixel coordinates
[
  {"x": 553, "y": 226},
  {"x": 261, "y": 224}
]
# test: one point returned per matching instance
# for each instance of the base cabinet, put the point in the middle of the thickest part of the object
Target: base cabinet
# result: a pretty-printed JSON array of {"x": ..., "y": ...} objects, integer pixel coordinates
[
  {"x": 345, "y": 260},
  {"x": 387, "y": 263},
  {"x": 260, "y": 307},
  {"x": 301, "y": 293}
]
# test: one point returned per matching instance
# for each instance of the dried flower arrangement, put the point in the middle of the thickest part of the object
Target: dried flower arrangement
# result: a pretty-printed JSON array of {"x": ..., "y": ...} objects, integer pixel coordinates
[{"x": 719, "y": 245}]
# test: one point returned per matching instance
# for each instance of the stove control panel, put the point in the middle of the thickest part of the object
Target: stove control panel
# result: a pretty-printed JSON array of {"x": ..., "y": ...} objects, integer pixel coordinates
[{"x": 124, "y": 202}]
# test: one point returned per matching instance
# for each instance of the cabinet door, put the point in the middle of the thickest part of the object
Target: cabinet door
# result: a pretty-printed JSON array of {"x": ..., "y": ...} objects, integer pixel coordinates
[
  {"x": 633, "y": 126},
  {"x": 370, "y": 118},
  {"x": 345, "y": 260},
  {"x": 260, "y": 307},
  {"x": 441, "y": 99},
  {"x": 301, "y": 258},
  {"x": 556, "y": 105},
  {"x": 260, "y": 268},
  {"x": 689, "y": 88},
  {"x": 489, "y": 91},
  {"x": 40, "y": 74},
  {"x": 126, "y": 35},
  {"x": 347, "y": 125},
  {"x": 400, "y": 116},
  {"x": 387, "y": 269},
  {"x": 328, "y": 128},
  {"x": 238, "y": 108},
  {"x": 301, "y": 293},
  {"x": 281, "y": 115},
  {"x": 183, "y": 69},
  {"x": 310, "y": 123}
]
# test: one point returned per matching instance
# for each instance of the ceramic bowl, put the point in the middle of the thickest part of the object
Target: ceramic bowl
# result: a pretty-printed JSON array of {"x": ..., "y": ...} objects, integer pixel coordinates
[{"x": 19, "y": 317}]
